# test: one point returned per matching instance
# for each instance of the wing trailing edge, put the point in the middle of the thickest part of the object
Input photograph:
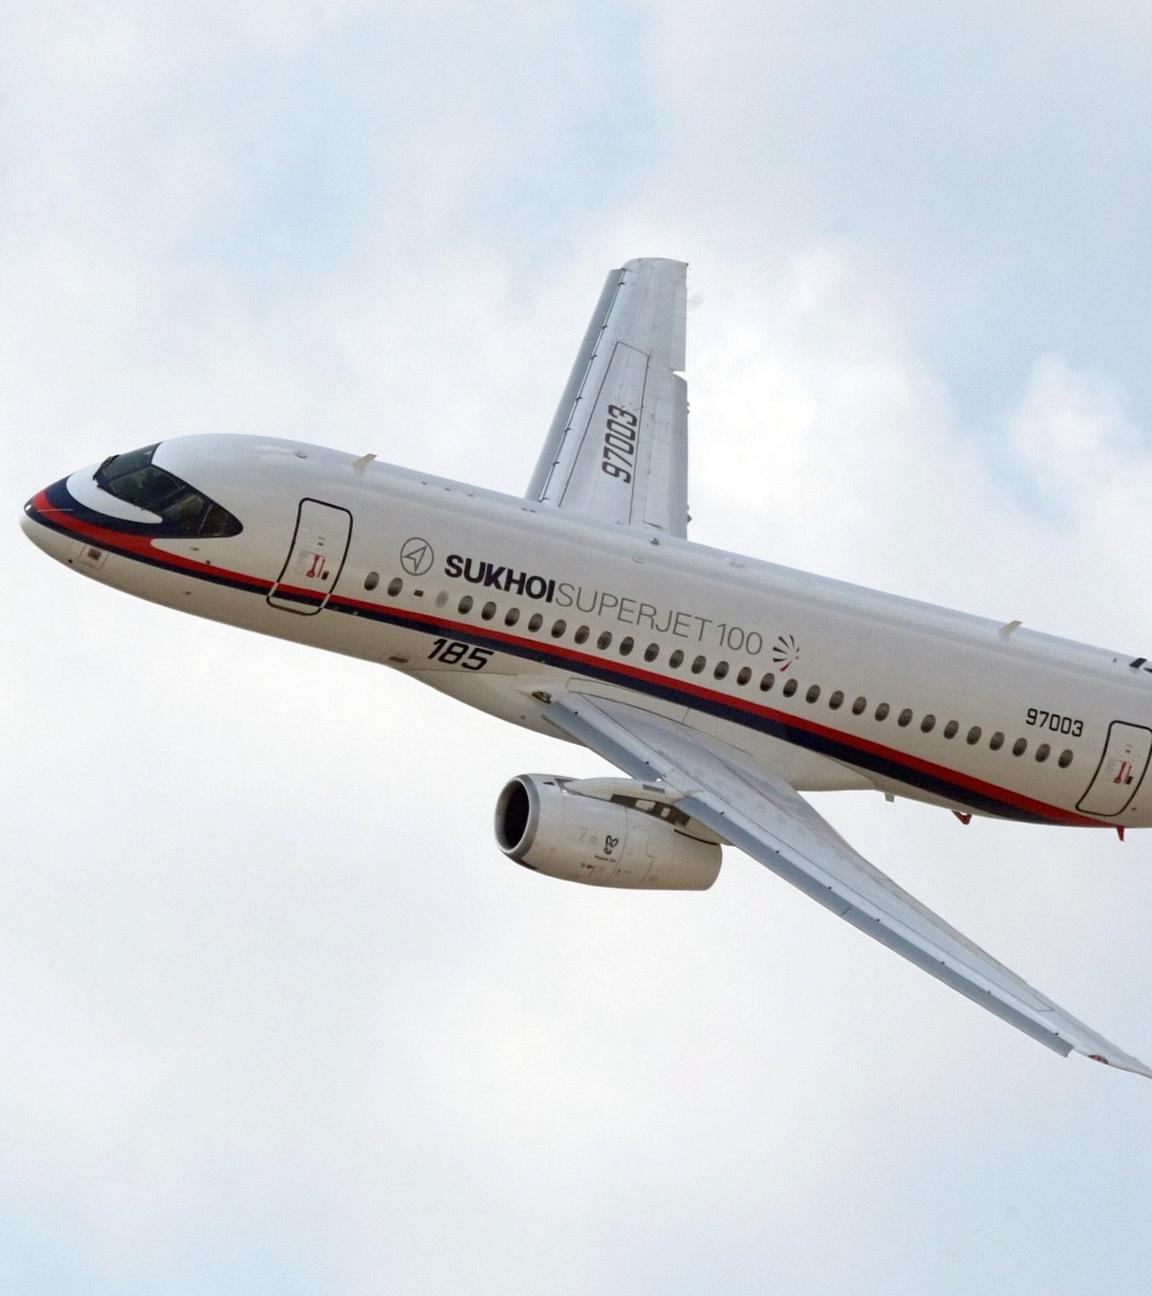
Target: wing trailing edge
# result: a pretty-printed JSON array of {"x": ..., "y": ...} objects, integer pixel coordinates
[{"x": 754, "y": 809}]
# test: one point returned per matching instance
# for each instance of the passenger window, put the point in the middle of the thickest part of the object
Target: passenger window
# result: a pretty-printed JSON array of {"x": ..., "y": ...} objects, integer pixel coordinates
[
  {"x": 836, "y": 701},
  {"x": 996, "y": 741},
  {"x": 651, "y": 652},
  {"x": 581, "y": 635},
  {"x": 904, "y": 719},
  {"x": 604, "y": 641},
  {"x": 463, "y": 607},
  {"x": 626, "y": 645},
  {"x": 511, "y": 616},
  {"x": 859, "y": 706},
  {"x": 744, "y": 675},
  {"x": 790, "y": 688},
  {"x": 488, "y": 611},
  {"x": 882, "y": 710},
  {"x": 1065, "y": 759},
  {"x": 721, "y": 670},
  {"x": 1020, "y": 746},
  {"x": 558, "y": 628},
  {"x": 371, "y": 580},
  {"x": 813, "y": 694},
  {"x": 441, "y": 599},
  {"x": 698, "y": 664},
  {"x": 1043, "y": 752},
  {"x": 395, "y": 585},
  {"x": 766, "y": 682},
  {"x": 928, "y": 724},
  {"x": 973, "y": 736},
  {"x": 535, "y": 621},
  {"x": 951, "y": 729},
  {"x": 676, "y": 659}
]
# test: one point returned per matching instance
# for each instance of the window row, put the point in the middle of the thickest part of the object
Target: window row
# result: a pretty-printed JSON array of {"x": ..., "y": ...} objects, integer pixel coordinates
[{"x": 626, "y": 645}]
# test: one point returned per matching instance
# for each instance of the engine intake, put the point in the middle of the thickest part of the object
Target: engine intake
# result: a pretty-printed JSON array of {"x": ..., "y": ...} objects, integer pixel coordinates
[{"x": 604, "y": 832}]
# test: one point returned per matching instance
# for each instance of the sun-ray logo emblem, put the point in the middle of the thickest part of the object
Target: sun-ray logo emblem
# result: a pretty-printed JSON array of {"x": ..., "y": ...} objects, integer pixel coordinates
[{"x": 785, "y": 652}]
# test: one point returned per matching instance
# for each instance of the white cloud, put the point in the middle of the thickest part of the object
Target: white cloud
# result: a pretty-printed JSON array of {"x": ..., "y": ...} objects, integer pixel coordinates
[
  {"x": 281, "y": 1015},
  {"x": 1075, "y": 434}
]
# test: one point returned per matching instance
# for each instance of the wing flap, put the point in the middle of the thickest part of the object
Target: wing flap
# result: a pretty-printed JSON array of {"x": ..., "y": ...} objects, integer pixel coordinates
[{"x": 760, "y": 813}]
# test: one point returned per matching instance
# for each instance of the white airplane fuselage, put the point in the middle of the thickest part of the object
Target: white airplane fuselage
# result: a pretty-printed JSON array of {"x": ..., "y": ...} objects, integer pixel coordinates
[{"x": 503, "y": 603}]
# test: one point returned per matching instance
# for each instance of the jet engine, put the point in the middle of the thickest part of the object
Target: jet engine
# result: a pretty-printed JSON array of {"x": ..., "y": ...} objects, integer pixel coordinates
[{"x": 605, "y": 832}]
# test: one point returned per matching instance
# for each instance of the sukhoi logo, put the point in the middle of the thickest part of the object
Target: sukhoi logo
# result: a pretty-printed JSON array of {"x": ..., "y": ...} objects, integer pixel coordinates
[
  {"x": 508, "y": 579},
  {"x": 416, "y": 556}
]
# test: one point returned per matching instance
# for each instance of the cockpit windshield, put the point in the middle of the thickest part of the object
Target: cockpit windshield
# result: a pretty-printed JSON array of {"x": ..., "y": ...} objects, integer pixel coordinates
[{"x": 134, "y": 478}]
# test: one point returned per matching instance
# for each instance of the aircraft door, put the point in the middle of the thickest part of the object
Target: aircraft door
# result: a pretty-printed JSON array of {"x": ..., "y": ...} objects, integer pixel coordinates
[
  {"x": 315, "y": 558},
  {"x": 1120, "y": 770}
]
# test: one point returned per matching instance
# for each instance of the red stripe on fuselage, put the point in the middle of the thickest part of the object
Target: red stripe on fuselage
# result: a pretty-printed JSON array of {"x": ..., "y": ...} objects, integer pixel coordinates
[
  {"x": 134, "y": 546},
  {"x": 142, "y": 547},
  {"x": 940, "y": 772}
]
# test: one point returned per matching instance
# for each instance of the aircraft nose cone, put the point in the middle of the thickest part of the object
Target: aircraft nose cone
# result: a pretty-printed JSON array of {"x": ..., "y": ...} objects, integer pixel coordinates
[
  {"x": 33, "y": 522},
  {"x": 28, "y": 522}
]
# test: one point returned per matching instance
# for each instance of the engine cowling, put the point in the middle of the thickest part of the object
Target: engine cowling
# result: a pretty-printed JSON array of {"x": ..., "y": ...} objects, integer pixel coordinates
[{"x": 604, "y": 832}]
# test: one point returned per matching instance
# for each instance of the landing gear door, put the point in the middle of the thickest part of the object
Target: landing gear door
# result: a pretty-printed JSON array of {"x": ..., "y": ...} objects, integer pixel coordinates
[
  {"x": 1120, "y": 770},
  {"x": 315, "y": 558}
]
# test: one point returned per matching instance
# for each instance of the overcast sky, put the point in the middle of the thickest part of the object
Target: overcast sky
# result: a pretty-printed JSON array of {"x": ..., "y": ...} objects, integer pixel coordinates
[{"x": 275, "y": 1014}]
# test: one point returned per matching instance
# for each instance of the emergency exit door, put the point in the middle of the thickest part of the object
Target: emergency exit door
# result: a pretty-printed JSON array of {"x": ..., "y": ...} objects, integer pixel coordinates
[
  {"x": 315, "y": 558},
  {"x": 1120, "y": 770}
]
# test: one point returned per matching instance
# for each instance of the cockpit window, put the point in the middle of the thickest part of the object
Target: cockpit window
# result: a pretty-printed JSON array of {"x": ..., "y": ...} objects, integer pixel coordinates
[
  {"x": 149, "y": 487},
  {"x": 134, "y": 478},
  {"x": 121, "y": 464},
  {"x": 218, "y": 522},
  {"x": 185, "y": 509}
]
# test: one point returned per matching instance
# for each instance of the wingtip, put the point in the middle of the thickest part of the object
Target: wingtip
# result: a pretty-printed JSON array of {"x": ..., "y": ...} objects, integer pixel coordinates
[{"x": 1122, "y": 1063}]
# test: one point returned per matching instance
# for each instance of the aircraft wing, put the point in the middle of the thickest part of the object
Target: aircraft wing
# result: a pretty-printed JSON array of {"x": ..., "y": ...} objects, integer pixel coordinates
[
  {"x": 754, "y": 809},
  {"x": 617, "y": 449}
]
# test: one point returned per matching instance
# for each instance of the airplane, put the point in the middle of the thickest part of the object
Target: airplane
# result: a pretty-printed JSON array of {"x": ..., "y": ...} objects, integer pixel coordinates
[{"x": 721, "y": 687}]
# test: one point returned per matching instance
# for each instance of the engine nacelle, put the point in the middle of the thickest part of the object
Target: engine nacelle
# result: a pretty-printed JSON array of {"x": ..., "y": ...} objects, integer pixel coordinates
[{"x": 604, "y": 832}]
